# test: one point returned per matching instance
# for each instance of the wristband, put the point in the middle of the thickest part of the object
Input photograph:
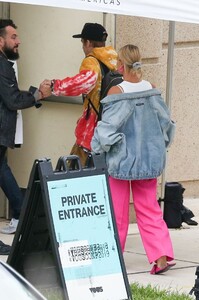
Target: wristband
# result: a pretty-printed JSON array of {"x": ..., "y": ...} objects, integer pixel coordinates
[
  {"x": 42, "y": 95},
  {"x": 52, "y": 84}
]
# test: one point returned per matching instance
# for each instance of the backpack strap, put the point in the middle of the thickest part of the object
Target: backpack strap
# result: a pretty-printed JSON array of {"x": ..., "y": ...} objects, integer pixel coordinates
[
  {"x": 109, "y": 79},
  {"x": 104, "y": 70}
]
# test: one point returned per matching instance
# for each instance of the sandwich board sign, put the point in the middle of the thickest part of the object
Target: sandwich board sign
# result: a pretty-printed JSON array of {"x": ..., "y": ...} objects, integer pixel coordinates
[{"x": 66, "y": 241}]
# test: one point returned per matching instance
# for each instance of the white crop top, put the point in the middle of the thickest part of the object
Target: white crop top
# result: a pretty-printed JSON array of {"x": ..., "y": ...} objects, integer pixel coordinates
[{"x": 129, "y": 87}]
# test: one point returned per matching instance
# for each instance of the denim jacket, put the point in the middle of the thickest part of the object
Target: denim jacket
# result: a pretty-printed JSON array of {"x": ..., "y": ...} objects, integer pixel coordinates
[{"x": 134, "y": 132}]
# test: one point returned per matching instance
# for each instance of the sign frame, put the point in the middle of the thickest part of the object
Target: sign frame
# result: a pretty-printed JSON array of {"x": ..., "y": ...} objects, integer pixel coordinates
[{"x": 89, "y": 263}]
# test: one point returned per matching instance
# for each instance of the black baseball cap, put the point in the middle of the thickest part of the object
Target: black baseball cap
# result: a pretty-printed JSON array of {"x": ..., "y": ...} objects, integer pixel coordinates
[{"x": 93, "y": 32}]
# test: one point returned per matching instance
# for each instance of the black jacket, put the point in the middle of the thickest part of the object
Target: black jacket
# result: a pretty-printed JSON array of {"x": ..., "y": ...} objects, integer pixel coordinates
[{"x": 11, "y": 99}]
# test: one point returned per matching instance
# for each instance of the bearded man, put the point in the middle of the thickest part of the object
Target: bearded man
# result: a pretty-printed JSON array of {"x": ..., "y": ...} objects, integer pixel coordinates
[{"x": 11, "y": 98}]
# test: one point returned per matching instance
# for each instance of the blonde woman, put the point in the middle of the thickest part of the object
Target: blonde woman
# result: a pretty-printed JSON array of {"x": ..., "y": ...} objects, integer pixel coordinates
[{"x": 134, "y": 133}]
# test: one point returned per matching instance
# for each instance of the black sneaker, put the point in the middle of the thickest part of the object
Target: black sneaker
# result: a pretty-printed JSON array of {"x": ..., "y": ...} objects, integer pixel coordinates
[
  {"x": 191, "y": 222},
  {"x": 4, "y": 249}
]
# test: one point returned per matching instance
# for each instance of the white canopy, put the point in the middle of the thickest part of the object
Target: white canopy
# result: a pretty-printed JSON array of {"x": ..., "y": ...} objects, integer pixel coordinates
[{"x": 172, "y": 10}]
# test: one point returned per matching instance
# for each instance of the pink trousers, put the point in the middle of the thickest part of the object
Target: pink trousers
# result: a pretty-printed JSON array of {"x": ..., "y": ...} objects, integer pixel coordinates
[{"x": 153, "y": 229}]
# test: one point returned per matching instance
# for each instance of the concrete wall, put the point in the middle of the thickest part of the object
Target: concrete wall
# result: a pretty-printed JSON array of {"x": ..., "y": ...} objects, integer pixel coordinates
[{"x": 47, "y": 50}]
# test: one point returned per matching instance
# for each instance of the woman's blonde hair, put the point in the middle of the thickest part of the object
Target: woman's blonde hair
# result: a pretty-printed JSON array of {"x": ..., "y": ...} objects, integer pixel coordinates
[{"x": 131, "y": 58}]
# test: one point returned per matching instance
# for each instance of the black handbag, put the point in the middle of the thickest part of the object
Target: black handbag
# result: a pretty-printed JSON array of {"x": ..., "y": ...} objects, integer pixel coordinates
[
  {"x": 173, "y": 204},
  {"x": 174, "y": 211}
]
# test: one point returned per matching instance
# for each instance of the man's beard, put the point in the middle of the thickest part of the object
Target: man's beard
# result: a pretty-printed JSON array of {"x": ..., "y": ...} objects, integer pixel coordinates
[{"x": 11, "y": 54}]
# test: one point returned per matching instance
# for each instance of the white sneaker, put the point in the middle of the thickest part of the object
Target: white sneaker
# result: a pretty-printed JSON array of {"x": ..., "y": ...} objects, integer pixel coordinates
[{"x": 11, "y": 227}]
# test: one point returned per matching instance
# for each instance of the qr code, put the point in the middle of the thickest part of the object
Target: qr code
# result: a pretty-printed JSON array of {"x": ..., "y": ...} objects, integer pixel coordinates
[{"x": 88, "y": 252}]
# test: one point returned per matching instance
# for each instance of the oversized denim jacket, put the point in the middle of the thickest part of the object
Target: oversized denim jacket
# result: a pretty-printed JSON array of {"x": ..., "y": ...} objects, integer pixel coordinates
[{"x": 134, "y": 132}]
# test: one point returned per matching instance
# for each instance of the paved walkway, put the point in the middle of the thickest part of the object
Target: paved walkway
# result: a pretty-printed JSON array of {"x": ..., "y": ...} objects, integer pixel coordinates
[{"x": 180, "y": 278}]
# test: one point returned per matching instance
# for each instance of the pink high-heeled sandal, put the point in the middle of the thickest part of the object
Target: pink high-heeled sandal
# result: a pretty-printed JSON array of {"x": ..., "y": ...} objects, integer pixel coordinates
[{"x": 155, "y": 270}]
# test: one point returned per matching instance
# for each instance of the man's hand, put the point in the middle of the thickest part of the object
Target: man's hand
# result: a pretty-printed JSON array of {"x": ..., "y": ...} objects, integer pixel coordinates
[{"x": 45, "y": 89}]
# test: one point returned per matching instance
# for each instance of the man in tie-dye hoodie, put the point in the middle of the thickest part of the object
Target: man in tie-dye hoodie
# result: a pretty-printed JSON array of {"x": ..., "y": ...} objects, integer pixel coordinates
[{"x": 88, "y": 83}]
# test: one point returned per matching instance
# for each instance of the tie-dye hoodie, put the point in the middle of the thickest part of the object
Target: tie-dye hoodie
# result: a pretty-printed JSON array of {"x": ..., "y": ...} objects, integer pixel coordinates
[{"x": 87, "y": 82}]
